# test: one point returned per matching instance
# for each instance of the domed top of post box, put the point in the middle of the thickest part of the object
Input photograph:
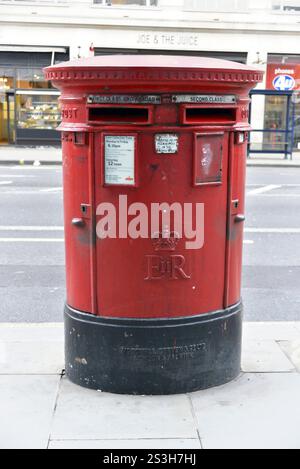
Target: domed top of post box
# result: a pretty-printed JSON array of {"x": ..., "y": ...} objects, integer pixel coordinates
[{"x": 165, "y": 73}]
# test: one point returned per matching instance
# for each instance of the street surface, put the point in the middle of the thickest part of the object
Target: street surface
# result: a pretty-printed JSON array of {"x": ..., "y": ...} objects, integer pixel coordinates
[{"x": 32, "y": 249}]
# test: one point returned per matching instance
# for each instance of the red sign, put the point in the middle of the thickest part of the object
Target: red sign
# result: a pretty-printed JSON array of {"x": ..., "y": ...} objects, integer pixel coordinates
[{"x": 283, "y": 77}]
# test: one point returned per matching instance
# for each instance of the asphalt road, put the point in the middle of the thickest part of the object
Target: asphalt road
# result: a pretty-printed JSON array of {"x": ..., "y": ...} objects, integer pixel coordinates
[{"x": 32, "y": 270}]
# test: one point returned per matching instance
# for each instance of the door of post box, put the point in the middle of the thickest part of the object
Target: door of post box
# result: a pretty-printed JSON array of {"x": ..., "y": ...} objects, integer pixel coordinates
[
  {"x": 236, "y": 216},
  {"x": 145, "y": 270}
]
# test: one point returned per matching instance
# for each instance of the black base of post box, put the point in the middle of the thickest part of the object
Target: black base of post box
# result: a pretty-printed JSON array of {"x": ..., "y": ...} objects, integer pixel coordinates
[{"x": 154, "y": 357}]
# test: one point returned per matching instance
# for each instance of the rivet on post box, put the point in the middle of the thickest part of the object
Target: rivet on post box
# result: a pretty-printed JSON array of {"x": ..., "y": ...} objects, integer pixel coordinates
[{"x": 154, "y": 182}]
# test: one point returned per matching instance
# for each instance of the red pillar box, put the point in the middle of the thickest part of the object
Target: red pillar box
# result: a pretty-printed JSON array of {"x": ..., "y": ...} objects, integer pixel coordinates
[{"x": 154, "y": 152}]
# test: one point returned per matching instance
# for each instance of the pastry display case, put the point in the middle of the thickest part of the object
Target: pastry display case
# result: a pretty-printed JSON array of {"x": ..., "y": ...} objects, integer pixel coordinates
[{"x": 37, "y": 116}]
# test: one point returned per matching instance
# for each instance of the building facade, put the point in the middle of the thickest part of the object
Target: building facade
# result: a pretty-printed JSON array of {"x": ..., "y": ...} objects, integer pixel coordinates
[{"x": 33, "y": 34}]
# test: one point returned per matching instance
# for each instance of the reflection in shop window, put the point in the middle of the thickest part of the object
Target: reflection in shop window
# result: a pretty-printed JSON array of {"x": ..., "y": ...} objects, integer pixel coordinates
[
  {"x": 275, "y": 120},
  {"x": 269, "y": 123},
  {"x": 31, "y": 78},
  {"x": 143, "y": 3},
  {"x": 286, "y": 5},
  {"x": 217, "y": 5},
  {"x": 37, "y": 111},
  {"x": 6, "y": 79}
]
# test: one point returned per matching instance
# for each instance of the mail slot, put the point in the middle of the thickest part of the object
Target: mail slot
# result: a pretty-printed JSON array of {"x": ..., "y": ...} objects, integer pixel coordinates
[
  {"x": 208, "y": 115},
  {"x": 119, "y": 115},
  {"x": 154, "y": 153}
]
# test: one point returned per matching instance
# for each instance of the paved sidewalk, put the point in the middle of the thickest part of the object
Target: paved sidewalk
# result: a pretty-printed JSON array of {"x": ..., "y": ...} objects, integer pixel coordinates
[
  {"x": 14, "y": 155},
  {"x": 274, "y": 160},
  {"x": 40, "y": 408}
]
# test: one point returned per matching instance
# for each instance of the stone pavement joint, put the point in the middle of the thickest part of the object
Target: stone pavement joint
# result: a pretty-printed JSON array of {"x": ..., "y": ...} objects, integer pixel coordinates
[
  {"x": 195, "y": 419},
  {"x": 41, "y": 408},
  {"x": 55, "y": 405}
]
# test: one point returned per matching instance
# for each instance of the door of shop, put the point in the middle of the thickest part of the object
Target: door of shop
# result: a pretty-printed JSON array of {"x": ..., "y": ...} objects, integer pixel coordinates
[
  {"x": 7, "y": 118},
  {"x": 296, "y": 120}
]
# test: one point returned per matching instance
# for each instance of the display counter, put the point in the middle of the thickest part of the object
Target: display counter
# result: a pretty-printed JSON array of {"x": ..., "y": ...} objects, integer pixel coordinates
[{"x": 37, "y": 117}]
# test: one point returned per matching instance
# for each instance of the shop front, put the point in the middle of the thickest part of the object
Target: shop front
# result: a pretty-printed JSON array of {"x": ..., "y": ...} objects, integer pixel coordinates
[
  {"x": 275, "y": 110},
  {"x": 29, "y": 111},
  {"x": 282, "y": 112}
]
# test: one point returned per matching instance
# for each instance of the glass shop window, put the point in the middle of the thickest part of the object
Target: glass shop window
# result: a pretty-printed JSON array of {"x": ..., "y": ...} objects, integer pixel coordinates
[
  {"x": 6, "y": 79},
  {"x": 142, "y": 3},
  {"x": 31, "y": 78},
  {"x": 37, "y": 111}
]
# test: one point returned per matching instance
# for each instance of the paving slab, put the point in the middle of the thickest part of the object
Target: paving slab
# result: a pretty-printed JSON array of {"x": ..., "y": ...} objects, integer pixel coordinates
[
  {"x": 109, "y": 416},
  {"x": 164, "y": 443},
  {"x": 255, "y": 411},
  {"x": 26, "y": 409},
  {"x": 280, "y": 330},
  {"x": 31, "y": 357},
  {"x": 31, "y": 349},
  {"x": 29, "y": 332},
  {"x": 264, "y": 356}
]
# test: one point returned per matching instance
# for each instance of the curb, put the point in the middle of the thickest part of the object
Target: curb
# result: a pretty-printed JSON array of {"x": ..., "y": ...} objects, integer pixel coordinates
[
  {"x": 273, "y": 165},
  {"x": 59, "y": 163},
  {"x": 30, "y": 163}
]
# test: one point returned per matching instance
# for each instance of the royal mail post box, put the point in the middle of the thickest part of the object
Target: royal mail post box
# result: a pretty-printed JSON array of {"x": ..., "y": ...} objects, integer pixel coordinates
[{"x": 154, "y": 152}]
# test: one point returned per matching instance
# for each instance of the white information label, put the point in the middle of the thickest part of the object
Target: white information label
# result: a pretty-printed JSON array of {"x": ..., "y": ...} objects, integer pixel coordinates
[
  {"x": 124, "y": 99},
  {"x": 204, "y": 99},
  {"x": 119, "y": 159},
  {"x": 166, "y": 143}
]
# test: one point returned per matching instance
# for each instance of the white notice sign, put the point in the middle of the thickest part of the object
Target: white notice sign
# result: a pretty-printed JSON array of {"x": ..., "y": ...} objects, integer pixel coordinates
[
  {"x": 166, "y": 143},
  {"x": 119, "y": 159}
]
